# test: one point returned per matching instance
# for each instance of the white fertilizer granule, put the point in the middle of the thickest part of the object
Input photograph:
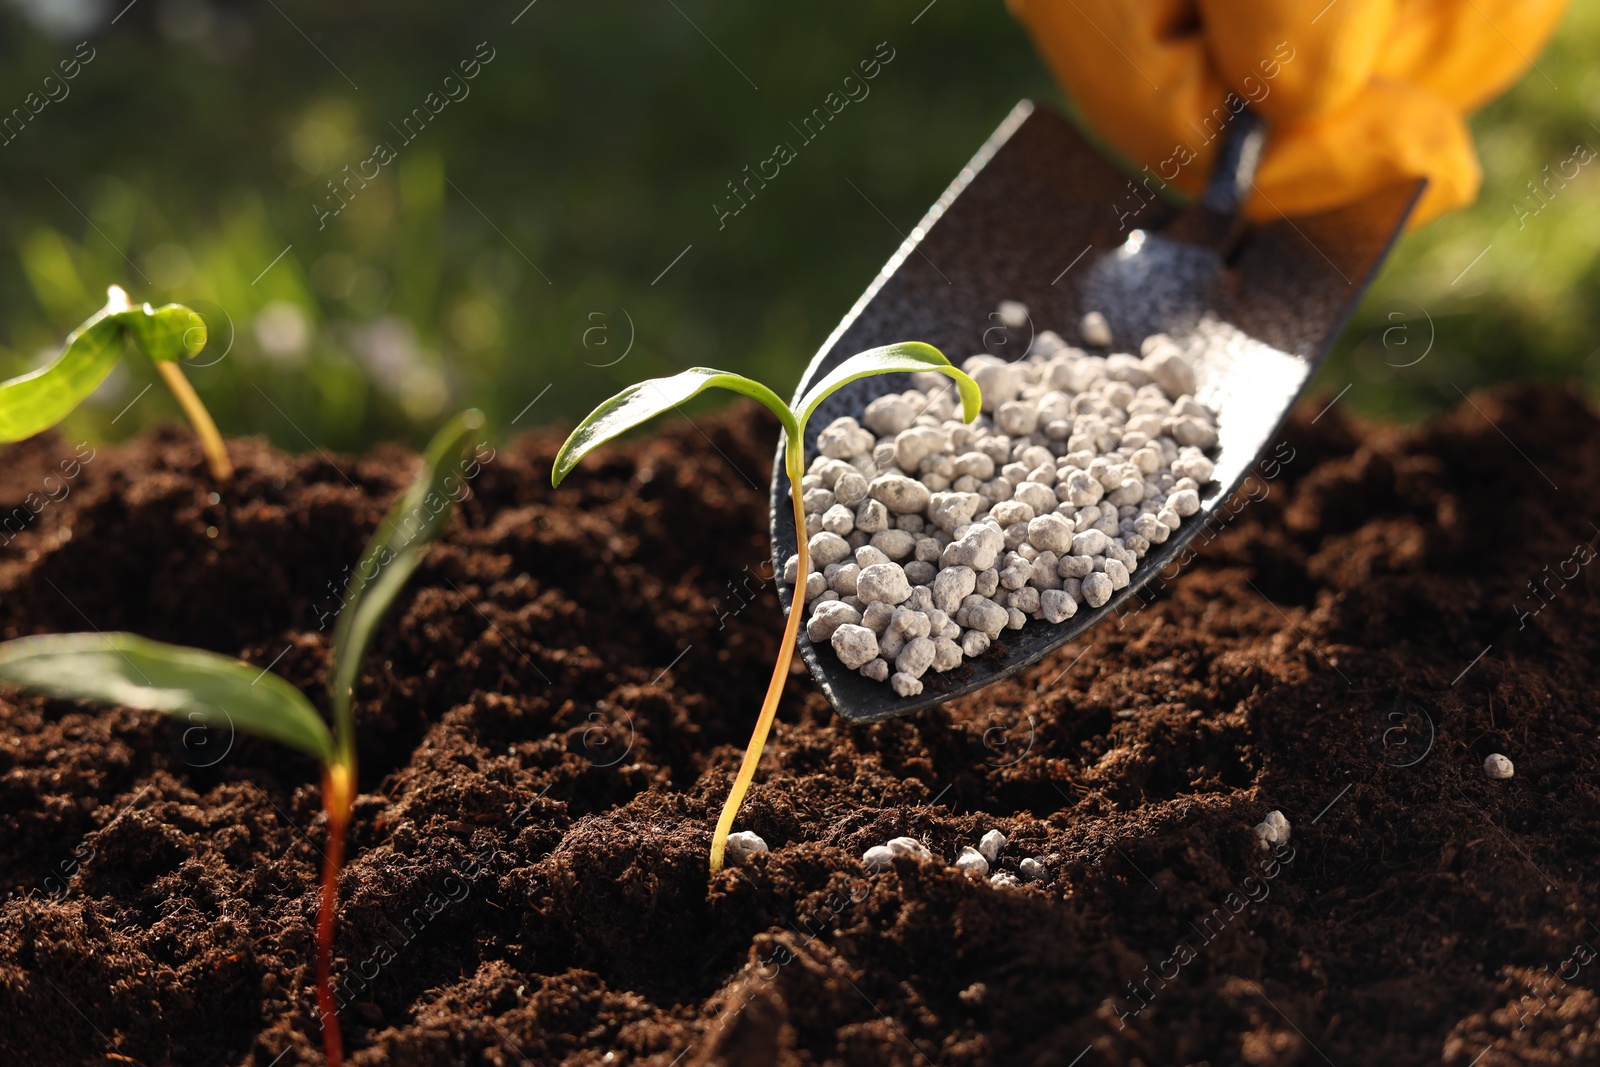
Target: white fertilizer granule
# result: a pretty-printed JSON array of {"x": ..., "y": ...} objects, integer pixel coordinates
[
  {"x": 929, "y": 538},
  {"x": 743, "y": 844},
  {"x": 1273, "y": 830},
  {"x": 972, "y": 860},
  {"x": 877, "y": 858}
]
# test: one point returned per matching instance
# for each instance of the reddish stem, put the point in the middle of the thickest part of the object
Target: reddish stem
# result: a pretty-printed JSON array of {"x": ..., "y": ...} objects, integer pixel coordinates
[{"x": 336, "y": 793}]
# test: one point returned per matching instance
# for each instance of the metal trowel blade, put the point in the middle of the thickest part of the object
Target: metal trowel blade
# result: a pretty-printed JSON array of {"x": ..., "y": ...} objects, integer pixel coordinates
[{"x": 1039, "y": 216}]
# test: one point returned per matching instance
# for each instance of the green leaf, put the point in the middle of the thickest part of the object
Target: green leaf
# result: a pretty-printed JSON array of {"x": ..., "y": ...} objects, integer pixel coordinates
[
  {"x": 134, "y": 672},
  {"x": 38, "y": 400},
  {"x": 640, "y": 403},
  {"x": 414, "y": 520},
  {"x": 171, "y": 332},
  {"x": 891, "y": 359}
]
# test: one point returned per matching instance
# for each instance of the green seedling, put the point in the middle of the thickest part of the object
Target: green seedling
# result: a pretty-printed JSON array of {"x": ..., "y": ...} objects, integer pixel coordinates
[
  {"x": 130, "y": 671},
  {"x": 638, "y": 403},
  {"x": 38, "y": 400}
]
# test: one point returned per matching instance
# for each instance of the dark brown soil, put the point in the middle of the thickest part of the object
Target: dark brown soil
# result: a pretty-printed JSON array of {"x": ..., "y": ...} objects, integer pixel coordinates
[{"x": 552, "y": 718}]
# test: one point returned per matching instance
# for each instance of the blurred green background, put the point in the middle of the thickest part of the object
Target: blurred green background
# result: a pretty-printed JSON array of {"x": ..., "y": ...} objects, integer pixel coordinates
[{"x": 527, "y": 245}]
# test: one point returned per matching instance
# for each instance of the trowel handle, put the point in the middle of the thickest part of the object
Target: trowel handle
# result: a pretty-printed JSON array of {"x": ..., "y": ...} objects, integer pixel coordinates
[
  {"x": 1215, "y": 219},
  {"x": 1236, "y": 164}
]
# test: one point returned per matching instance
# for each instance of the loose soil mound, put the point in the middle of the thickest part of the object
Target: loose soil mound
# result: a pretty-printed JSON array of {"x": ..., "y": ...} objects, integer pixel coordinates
[{"x": 551, "y": 720}]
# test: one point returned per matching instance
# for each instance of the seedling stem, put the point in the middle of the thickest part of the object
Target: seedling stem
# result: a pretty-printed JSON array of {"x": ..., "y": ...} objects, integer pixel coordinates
[
  {"x": 210, "y": 440},
  {"x": 338, "y": 797},
  {"x": 794, "y": 466}
]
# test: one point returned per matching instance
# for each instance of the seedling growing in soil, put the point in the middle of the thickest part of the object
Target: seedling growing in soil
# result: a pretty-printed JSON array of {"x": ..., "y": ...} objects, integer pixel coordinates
[
  {"x": 38, "y": 400},
  {"x": 130, "y": 671},
  {"x": 639, "y": 403}
]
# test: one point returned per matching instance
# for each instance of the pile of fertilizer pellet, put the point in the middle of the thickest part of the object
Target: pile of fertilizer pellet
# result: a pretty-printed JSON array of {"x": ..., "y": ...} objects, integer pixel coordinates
[{"x": 929, "y": 537}]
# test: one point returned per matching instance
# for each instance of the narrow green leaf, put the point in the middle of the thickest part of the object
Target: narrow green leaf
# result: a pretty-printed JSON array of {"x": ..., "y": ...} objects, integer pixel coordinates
[
  {"x": 890, "y": 359},
  {"x": 640, "y": 403},
  {"x": 414, "y": 520},
  {"x": 134, "y": 672},
  {"x": 38, "y": 400}
]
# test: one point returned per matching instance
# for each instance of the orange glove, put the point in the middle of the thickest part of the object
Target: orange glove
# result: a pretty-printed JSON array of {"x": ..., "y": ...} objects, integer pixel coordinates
[{"x": 1357, "y": 94}]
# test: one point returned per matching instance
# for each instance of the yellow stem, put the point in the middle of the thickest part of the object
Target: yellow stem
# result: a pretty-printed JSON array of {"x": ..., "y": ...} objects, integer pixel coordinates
[
  {"x": 210, "y": 440},
  {"x": 780, "y": 672}
]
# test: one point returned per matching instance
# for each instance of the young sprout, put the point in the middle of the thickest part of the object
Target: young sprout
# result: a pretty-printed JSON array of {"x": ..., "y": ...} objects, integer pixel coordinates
[
  {"x": 38, "y": 400},
  {"x": 130, "y": 671},
  {"x": 643, "y": 401}
]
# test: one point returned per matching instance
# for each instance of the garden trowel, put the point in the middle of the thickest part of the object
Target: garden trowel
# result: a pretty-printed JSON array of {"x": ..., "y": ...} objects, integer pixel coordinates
[{"x": 1041, "y": 217}]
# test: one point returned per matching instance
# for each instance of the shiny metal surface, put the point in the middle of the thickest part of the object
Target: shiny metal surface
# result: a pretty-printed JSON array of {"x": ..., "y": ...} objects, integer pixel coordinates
[{"x": 1039, "y": 216}]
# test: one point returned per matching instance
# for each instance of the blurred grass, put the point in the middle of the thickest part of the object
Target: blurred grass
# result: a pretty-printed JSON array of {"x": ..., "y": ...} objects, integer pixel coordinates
[{"x": 517, "y": 247}]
